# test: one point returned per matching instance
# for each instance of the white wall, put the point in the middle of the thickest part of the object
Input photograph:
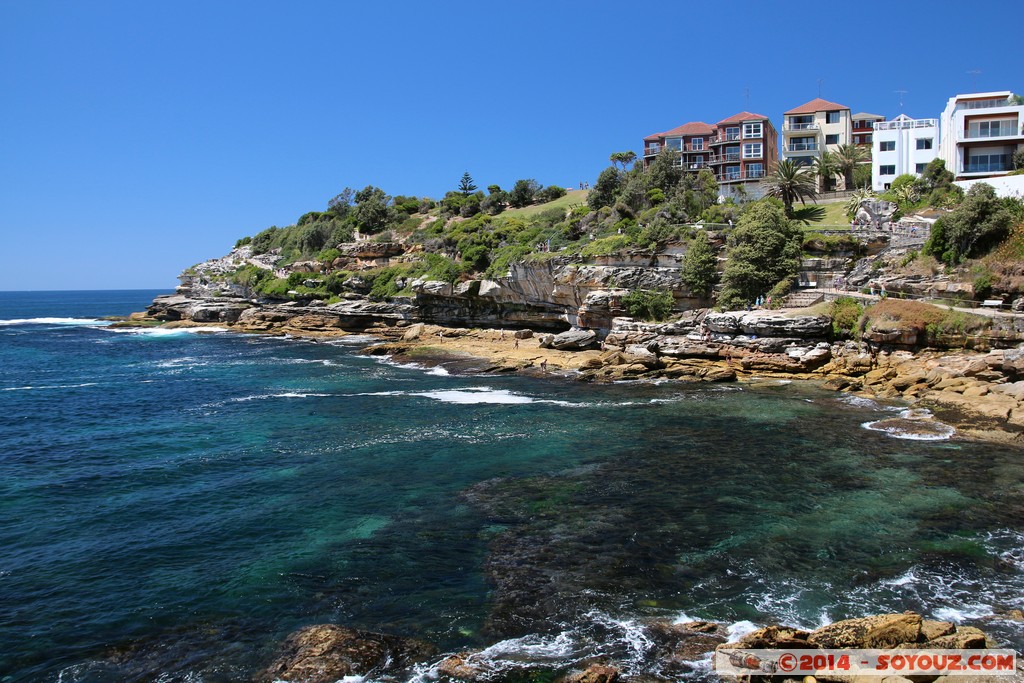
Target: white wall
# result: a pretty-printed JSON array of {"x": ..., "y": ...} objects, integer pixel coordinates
[{"x": 1005, "y": 186}]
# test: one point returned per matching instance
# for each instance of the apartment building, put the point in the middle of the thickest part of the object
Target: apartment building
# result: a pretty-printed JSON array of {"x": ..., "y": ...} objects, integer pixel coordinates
[
  {"x": 814, "y": 127},
  {"x": 903, "y": 145},
  {"x": 740, "y": 150},
  {"x": 745, "y": 146},
  {"x": 980, "y": 133},
  {"x": 692, "y": 141},
  {"x": 863, "y": 128}
]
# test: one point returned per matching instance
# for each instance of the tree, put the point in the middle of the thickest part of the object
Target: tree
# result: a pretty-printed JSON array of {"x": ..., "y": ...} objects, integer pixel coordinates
[
  {"x": 1018, "y": 159},
  {"x": 466, "y": 186},
  {"x": 705, "y": 185},
  {"x": 847, "y": 158},
  {"x": 699, "y": 270},
  {"x": 665, "y": 172},
  {"x": 979, "y": 222},
  {"x": 373, "y": 212},
  {"x": 790, "y": 183},
  {"x": 764, "y": 252},
  {"x": 605, "y": 189},
  {"x": 935, "y": 175},
  {"x": 523, "y": 192},
  {"x": 826, "y": 168},
  {"x": 341, "y": 202},
  {"x": 624, "y": 158}
]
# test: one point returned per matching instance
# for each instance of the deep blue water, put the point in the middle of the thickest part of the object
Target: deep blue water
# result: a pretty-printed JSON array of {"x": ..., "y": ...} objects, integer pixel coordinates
[{"x": 175, "y": 503}]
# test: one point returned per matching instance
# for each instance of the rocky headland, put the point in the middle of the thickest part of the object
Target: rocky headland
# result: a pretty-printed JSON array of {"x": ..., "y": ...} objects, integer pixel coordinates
[{"x": 565, "y": 316}]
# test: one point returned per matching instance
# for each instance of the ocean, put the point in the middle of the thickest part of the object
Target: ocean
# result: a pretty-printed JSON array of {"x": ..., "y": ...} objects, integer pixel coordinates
[{"x": 174, "y": 503}]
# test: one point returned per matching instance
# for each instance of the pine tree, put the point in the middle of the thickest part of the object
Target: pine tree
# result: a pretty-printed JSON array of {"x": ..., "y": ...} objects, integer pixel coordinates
[{"x": 466, "y": 185}]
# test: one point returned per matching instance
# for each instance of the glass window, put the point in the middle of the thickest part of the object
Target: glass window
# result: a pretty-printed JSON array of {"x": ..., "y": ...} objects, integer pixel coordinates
[
  {"x": 755, "y": 170},
  {"x": 832, "y": 139},
  {"x": 832, "y": 116},
  {"x": 732, "y": 133},
  {"x": 732, "y": 172},
  {"x": 752, "y": 150},
  {"x": 732, "y": 153},
  {"x": 924, "y": 143},
  {"x": 697, "y": 144},
  {"x": 919, "y": 168},
  {"x": 888, "y": 169},
  {"x": 751, "y": 130},
  {"x": 674, "y": 143},
  {"x": 887, "y": 146}
]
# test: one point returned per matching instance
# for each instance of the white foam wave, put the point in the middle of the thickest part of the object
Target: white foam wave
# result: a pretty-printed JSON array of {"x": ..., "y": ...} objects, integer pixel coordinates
[
  {"x": 911, "y": 429},
  {"x": 286, "y": 394},
  {"x": 164, "y": 333},
  {"x": 85, "y": 322},
  {"x": 51, "y": 386},
  {"x": 739, "y": 629}
]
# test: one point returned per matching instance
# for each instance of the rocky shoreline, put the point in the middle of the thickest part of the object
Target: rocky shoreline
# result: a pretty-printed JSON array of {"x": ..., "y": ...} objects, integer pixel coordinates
[
  {"x": 980, "y": 393},
  {"x": 325, "y": 653}
]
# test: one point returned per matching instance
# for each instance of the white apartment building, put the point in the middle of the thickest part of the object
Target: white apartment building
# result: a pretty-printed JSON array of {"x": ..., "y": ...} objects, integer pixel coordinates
[
  {"x": 980, "y": 133},
  {"x": 903, "y": 145}
]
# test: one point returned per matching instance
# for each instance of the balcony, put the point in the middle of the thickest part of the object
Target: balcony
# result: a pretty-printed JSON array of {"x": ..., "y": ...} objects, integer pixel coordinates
[
  {"x": 723, "y": 158},
  {"x": 800, "y": 126},
  {"x": 722, "y": 139},
  {"x": 988, "y": 167},
  {"x": 740, "y": 175},
  {"x": 1001, "y": 133},
  {"x": 802, "y": 147},
  {"x": 984, "y": 104},
  {"x": 652, "y": 151}
]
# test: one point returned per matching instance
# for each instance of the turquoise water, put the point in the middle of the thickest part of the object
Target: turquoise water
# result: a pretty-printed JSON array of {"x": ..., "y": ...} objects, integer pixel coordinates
[{"x": 176, "y": 503}]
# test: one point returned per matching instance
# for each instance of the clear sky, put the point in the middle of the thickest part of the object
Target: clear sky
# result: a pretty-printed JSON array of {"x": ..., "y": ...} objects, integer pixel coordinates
[{"x": 137, "y": 138}]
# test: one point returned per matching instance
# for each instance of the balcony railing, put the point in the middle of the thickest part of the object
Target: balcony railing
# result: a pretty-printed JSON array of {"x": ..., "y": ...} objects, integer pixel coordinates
[
  {"x": 903, "y": 125},
  {"x": 800, "y": 126},
  {"x": 802, "y": 147},
  {"x": 652, "y": 151},
  {"x": 740, "y": 175},
  {"x": 1011, "y": 131},
  {"x": 723, "y": 158},
  {"x": 988, "y": 167},
  {"x": 720, "y": 139},
  {"x": 984, "y": 104}
]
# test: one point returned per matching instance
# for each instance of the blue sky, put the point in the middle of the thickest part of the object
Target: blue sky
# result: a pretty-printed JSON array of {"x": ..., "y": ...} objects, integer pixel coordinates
[{"x": 137, "y": 138}]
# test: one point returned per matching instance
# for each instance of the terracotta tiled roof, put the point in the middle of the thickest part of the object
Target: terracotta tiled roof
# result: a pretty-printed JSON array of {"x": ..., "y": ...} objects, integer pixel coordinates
[
  {"x": 742, "y": 116},
  {"x": 817, "y": 104},
  {"x": 692, "y": 128}
]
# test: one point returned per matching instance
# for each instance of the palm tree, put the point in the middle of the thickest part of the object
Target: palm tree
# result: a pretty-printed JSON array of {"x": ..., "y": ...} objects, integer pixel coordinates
[
  {"x": 790, "y": 183},
  {"x": 826, "y": 168},
  {"x": 847, "y": 157}
]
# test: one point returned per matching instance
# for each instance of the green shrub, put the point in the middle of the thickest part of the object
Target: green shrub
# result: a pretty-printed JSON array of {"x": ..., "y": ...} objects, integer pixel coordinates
[
  {"x": 647, "y": 304},
  {"x": 846, "y": 313}
]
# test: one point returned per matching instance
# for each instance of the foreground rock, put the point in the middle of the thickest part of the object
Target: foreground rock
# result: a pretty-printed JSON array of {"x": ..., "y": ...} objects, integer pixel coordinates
[
  {"x": 882, "y": 632},
  {"x": 325, "y": 653}
]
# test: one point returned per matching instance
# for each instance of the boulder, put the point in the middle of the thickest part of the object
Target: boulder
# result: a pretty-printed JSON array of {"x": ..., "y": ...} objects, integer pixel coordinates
[
  {"x": 574, "y": 340},
  {"x": 324, "y": 653},
  {"x": 595, "y": 673},
  {"x": 882, "y": 631},
  {"x": 930, "y": 630},
  {"x": 523, "y": 334},
  {"x": 461, "y": 667},
  {"x": 964, "y": 638}
]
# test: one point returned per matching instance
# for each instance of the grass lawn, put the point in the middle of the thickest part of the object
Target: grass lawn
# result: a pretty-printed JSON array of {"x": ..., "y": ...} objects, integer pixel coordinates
[
  {"x": 818, "y": 216},
  {"x": 572, "y": 198}
]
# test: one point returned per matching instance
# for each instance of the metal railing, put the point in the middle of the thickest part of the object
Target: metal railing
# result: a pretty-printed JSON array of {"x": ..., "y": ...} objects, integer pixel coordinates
[
  {"x": 723, "y": 158},
  {"x": 984, "y": 104},
  {"x": 652, "y": 151},
  {"x": 1006, "y": 131},
  {"x": 720, "y": 139},
  {"x": 903, "y": 125},
  {"x": 802, "y": 147},
  {"x": 740, "y": 175},
  {"x": 800, "y": 126}
]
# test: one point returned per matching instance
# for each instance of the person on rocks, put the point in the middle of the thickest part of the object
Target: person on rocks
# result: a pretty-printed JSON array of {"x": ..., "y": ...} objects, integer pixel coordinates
[{"x": 544, "y": 365}]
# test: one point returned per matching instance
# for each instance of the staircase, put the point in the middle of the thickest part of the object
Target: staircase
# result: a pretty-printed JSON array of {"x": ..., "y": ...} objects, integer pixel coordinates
[{"x": 803, "y": 299}]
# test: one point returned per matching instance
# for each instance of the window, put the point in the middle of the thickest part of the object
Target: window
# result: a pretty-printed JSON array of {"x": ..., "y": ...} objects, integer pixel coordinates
[
  {"x": 698, "y": 162},
  {"x": 674, "y": 143},
  {"x": 919, "y": 168},
  {"x": 832, "y": 116},
  {"x": 732, "y": 172},
  {"x": 801, "y": 122},
  {"x": 867, "y": 139},
  {"x": 732, "y": 133},
  {"x": 990, "y": 129},
  {"x": 888, "y": 169},
  {"x": 832, "y": 139},
  {"x": 752, "y": 130},
  {"x": 752, "y": 150},
  {"x": 924, "y": 143},
  {"x": 887, "y": 146},
  {"x": 755, "y": 170},
  {"x": 697, "y": 144},
  {"x": 802, "y": 161},
  {"x": 732, "y": 153}
]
